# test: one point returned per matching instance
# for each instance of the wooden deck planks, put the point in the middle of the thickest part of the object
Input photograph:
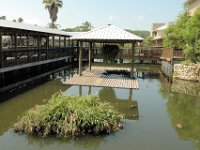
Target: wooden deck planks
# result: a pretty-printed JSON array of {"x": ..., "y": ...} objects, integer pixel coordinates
[{"x": 95, "y": 78}]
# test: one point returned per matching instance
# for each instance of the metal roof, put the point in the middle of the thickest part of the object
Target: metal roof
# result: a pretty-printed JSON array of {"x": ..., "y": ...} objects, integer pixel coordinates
[
  {"x": 23, "y": 26},
  {"x": 109, "y": 33}
]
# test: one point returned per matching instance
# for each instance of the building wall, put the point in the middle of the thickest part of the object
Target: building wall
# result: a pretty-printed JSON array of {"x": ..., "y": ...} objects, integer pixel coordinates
[
  {"x": 154, "y": 27},
  {"x": 193, "y": 6}
]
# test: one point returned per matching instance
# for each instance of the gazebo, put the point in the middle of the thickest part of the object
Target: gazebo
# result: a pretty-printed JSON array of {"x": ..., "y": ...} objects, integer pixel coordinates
[{"x": 106, "y": 34}]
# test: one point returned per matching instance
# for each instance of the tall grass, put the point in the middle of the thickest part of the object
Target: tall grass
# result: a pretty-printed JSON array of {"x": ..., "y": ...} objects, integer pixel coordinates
[{"x": 70, "y": 116}]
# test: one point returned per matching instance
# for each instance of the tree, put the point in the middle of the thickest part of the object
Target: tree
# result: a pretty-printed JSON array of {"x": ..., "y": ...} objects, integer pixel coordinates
[
  {"x": 148, "y": 41},
  {"x": 84, "y": 27},
  {"x": 20, "y": 19},
  {"x": 2, "y": 17},
  {"x": 185, "y": 34},
  {"x": 55, "y": 26},
  {"x": 174, "y": 34},
  {"x": 52, "y": 6},
  {"x": 14, "y": 20},
  {"x": 144, "y": 34},
  {"x": 192, "y": 37}
]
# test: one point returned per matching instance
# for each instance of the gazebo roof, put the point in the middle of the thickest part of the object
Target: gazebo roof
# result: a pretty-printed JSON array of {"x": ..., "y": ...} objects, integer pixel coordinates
[{"x": 109, "y": 33}]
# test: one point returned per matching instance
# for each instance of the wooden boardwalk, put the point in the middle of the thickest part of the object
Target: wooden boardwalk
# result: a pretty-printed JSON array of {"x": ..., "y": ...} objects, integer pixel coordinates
[{"x": 95, "y": 78}]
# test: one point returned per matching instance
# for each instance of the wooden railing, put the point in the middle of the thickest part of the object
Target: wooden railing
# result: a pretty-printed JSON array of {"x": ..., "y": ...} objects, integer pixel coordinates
[
  {"x": 10, "y": 58},
  {"x": 171, "y": 54}
]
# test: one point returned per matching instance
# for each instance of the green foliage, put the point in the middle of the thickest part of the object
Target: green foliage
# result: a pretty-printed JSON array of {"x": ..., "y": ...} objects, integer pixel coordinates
[
  {"x": 2, "y": 17},
  {"x": 110, "y": 52},
  {"x": 84, "y": 27},
  {"x": 52, "y": 6},
  {"x": 20, "y": 19},
  {"x": 192, "y": 37},
  {"x": 174, "y": 35},
  {"x": 185, "y": 34},
  {"x": 148, "y": 41},
  {"x": 143, "y": 34},
  {"x": 70, "y": 116},
  {"x": 184, "y": 110}
]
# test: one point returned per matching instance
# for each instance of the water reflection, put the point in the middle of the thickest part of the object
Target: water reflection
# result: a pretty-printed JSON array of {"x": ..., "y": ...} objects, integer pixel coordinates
[
  {"x": 186, "y": 87},
  {"x": 126, "y": 106},
  {"x": 184, "y": 109},
  {"x": 88, "y": 142},
  {"x": 122, "y": 99},
  {"x": 25, "y": 101},
  {"x": 184, "y": 112},
  {"x": 160, "y": 106}
]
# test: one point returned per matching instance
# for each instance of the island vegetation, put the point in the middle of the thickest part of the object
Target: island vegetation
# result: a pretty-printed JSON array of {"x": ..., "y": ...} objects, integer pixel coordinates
[{"x": 70, "y": 116}]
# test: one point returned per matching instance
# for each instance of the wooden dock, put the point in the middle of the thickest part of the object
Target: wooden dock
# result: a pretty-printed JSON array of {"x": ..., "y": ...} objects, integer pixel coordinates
[{"x": 95, "y": 77}]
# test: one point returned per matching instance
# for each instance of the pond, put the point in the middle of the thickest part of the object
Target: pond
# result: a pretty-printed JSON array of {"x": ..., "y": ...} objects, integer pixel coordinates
[{"x": 159, "y": 116}]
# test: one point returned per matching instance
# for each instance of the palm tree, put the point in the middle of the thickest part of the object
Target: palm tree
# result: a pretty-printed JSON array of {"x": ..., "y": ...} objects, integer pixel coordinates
[{"x": 52, "y": 6}]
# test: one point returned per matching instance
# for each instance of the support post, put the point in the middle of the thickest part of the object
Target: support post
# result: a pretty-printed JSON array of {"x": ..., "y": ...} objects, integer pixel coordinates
[
  {"x": 47, "y": 46},
  {"x": 65, "y": 42},
  {"x": 90, "y": 56},
  {"x": 16, "y": 49},
  {"x": 59, "y": 46},
  {"x": 53, "y": 38},
  {"x": 59, "y": 41},
  {"x": 80, "y": 58},
  {"x": 1, "y": 52},
  {"x": 39, "y": 47},
  {"x": 28, "y": 48},
  {"x": 132, "y": 59}
]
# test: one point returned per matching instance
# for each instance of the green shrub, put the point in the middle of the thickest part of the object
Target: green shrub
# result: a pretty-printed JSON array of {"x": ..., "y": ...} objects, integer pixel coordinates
[
  {"x": 70, "y": 116},
  {"x": 110, "y": 52}
]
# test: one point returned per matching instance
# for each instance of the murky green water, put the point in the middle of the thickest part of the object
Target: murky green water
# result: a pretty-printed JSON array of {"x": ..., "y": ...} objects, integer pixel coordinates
[{"x": 163, "y": 119}]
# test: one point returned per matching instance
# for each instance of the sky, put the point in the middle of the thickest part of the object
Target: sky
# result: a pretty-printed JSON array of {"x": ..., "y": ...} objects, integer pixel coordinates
[{"x": 127, "y": 14}]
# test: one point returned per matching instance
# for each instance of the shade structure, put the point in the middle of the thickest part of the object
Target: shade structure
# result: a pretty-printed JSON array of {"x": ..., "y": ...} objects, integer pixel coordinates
[
  {"x": 108, "y": 33},
  {"x": 29, "y": 27}
]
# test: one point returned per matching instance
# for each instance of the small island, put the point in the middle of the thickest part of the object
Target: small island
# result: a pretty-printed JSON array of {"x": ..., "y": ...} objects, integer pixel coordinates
[{"x": 70, "y": 116}]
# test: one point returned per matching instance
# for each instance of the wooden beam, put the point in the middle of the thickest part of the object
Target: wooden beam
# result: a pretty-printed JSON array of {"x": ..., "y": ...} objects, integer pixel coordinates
[
  {"x": 132, "y": 59},
  {"x": 39, "y": 47},
  {"x": 1, "y": 53},
  {"x": 0, "y": 42},
  {"x": 47, "y": 47},
  {"x": 16, "y": 48},
  {"x": 80, "y": 58},
  {"x": 65, "y": 41},
  {"x": 28, "y": 48},
  {"x": 53, "y": 38},
  {"x": 90, "y": 56},
  {"x": 59, "y": 41}
]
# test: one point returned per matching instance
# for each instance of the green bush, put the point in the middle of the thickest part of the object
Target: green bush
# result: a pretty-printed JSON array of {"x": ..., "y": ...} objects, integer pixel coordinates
[
  {"x": 110, "y": 52},
  {"x": 184, "y": 33},
  {"x": 70, "y": 116}
]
